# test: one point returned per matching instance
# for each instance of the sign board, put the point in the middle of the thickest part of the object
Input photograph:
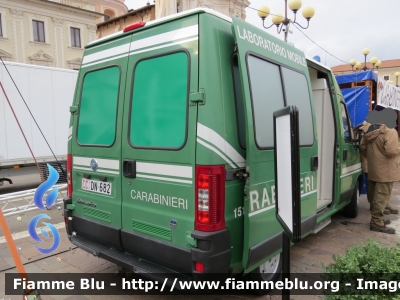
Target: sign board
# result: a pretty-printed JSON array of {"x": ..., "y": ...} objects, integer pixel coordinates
[
  {"x": 287, "y": 171},
  {"x": 388, "y": 95}
]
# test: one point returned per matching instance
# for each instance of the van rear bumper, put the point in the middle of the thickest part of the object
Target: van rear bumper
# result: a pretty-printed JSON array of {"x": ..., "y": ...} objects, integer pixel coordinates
[
  {"x": 120, "y": 258},
  {"x": 213, "y": 249}
]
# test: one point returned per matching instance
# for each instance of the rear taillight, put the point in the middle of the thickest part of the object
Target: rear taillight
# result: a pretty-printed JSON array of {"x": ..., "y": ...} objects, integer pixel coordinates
[
  {"x": 210, "y": 198},
  {"x": 69, "y": 175},
  {"x": 199, "y": 267}
]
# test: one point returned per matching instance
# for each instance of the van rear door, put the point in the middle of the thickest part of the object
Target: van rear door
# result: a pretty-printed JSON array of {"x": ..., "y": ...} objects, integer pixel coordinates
[
  {"x": 158, "y": 143},
  {"x": 273, "y": 75},
  {"x": 96, "y": 144}
]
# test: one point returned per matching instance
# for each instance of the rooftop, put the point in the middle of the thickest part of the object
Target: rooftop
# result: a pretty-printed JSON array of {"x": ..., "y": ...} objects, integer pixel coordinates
[
  {"x": 392, "y": 63},
  {"x": 131, "y": 12}
]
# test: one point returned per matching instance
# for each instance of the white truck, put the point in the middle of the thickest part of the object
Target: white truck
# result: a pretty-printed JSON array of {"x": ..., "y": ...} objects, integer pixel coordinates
[{"x": 48, "y": 93}]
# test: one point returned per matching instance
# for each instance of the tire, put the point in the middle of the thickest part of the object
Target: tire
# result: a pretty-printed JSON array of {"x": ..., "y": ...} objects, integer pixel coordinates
[
  {"x": 268, "y": 271},
  {"x": 351, "y": 209}
]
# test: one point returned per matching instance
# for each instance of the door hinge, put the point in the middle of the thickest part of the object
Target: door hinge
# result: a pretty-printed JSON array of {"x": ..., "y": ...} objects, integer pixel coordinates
[
  {"x": 242, "y": 174},
  {"x": 198, "y": 97},
  {"x": 73, "y": 109}
]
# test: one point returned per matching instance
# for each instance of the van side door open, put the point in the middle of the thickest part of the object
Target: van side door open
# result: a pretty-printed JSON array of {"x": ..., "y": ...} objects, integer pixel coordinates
[{"x": 273, "y": 76}]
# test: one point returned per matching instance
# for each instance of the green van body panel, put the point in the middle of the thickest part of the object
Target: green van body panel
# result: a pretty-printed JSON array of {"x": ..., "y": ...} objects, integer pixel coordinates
[
  {"x": 260, "y": 221},
  {"x": 183, "y": 97},
  {"x": 174, "y": 192}
]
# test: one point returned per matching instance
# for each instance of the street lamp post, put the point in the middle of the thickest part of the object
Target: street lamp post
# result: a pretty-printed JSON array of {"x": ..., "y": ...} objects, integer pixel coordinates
[
  {"x": 365, "y": 51},
  {"x": 357, "y": 65},
  {"x": 378, "y": 64},
  {"x": 279, "y": 21},
  {"x": 373, "y": 61},
  {"x": 352, "y": 63},
  {"x": 397, "y": 74}
]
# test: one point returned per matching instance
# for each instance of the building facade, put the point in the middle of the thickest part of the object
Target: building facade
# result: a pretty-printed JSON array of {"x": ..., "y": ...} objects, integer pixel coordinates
[
  {"x": 47, "y": 33},
  {"x": 226, "y": 7},
  {"x": 145, "y": 14},
  {"x": 163, "y": 8},
  {"x": 109, "y": 8},
  {"x": 386, "y": 70}
]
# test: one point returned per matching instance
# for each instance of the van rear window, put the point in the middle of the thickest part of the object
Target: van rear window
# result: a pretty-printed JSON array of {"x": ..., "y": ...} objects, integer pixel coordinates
[
  {"x": 98, "y": 107},
  {"x": 159, "y": 102}
]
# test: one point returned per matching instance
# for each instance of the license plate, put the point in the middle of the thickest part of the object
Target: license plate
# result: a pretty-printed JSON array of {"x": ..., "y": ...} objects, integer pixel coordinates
[{"x": 96, "y": 186}]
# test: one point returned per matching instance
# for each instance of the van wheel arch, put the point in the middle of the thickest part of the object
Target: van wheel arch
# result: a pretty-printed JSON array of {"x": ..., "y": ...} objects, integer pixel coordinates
[{"x": 274, "y": 265}]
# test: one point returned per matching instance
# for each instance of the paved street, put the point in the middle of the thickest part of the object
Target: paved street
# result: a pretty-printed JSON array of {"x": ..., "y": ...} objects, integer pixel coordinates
[{"x": 306, "y": 256}]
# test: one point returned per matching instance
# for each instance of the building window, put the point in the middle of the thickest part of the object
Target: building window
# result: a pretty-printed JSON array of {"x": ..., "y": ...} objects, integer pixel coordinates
[
  {"x": 75, "y": 37},
  {"x": 38, "y": 31},
  {"x": 386, "y": 77},
  {"x": 1, "y": 26}
]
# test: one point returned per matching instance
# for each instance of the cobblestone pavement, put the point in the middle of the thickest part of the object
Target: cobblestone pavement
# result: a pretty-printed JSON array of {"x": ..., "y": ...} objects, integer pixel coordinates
[{"x": 306, "y": 257}]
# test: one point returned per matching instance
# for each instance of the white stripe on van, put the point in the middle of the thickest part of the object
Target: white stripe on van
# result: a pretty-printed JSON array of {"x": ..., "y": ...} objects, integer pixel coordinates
[
  {"x": 272, "y": 206},
  {"x": 105, "y": 60},
  {"x": 218, "y": 152},
  {"x": 350, "y": 173},
  {"x": 122, "y": 50},
  {"x": 70, "y": 131},
  {"x": 351, "y": 168},
  {"x": 98, "y": 170},
  {"x": 166, "y": 37},
  {"x": 164, "y": 46},
  {"x": 103, "y": 163},
  {"x": 216, "y": 140},
  {"x": 141, "y": 51},
  {"x": 163, "y": 169},
  {"x": 106, "y": 53},
  {"x": 163, "y": 178}
]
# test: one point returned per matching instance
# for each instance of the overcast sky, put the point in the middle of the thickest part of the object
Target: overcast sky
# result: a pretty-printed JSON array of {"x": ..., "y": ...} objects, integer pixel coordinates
[{"x": 341, "y": 27}]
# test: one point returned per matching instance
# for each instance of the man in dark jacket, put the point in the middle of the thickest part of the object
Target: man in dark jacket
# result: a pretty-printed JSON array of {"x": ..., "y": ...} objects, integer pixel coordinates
[{"x": 380, "y": 146}]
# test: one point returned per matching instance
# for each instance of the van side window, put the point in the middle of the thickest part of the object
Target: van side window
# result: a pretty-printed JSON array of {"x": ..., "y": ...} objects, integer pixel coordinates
[
  {"x": 297, "y": 93},
  {"x": 98, "y": 107},
  {"x": 159, "y": 102},
  {"x": 267, "y": 97},
  {"x": 241, "y": 126},
  {"x": 346, "y": 124}
]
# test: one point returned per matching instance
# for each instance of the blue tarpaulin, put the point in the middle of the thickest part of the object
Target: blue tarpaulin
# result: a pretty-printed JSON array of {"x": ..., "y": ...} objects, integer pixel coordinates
[
  {"x": 357, "y": 76},
  {"x": 357, "y": 101}
]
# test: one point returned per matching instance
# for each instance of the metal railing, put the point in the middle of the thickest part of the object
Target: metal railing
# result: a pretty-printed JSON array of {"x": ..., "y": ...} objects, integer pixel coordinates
[{"x": 22, "y": 201}]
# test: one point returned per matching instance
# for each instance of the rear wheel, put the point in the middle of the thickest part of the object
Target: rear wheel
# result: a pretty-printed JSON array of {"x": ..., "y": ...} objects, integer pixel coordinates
[
  {"x": 268, "y": 271},
  {"x": 351, "y": 209}
]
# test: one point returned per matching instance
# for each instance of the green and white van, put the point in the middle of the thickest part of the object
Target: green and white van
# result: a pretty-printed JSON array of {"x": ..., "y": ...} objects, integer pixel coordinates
[{"x": 171, "y": 149}]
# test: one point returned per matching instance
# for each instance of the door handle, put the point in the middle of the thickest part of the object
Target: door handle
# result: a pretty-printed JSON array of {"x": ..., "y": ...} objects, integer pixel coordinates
[
  {"x": 314, "y": 163},
  {"x": 129, "y": 168},
  {"x": 344, "y": 154}
]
